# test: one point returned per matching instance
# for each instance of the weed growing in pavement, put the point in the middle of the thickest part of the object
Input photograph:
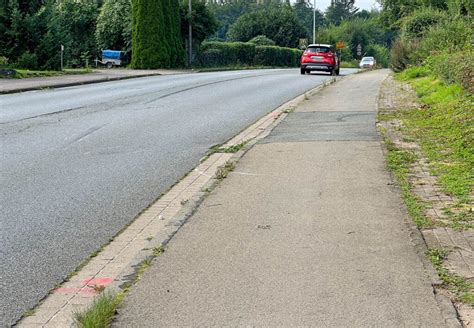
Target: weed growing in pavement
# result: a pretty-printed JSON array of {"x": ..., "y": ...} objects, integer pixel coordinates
[
  {"x": 399, "y": 162},
  {"x": 28, "y": 313},
  {"x": 223, "y": 171},
  {"x": 184, "y": 202},
  {"x": 157, "y": 251},
  {"x": 100, "y": 313},
  {"x": 149, "y": 238},
  {"x": 228, "y": 150},
  {"x": 462, "y": 289}
]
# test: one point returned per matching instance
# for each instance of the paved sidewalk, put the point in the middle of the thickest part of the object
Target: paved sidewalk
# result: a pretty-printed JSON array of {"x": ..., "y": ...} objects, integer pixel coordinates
[
  {"x": 307, "y": 231},
  {"x": 100, "y": 75}
]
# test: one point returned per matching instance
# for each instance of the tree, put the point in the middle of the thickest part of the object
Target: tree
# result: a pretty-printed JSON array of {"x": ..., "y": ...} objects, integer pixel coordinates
[
  {"x": 340, "y": 10},
  {"x": 154, "y": 35},
  {"x": 278, "y": 23},
  {"x": 304, "y": 12},
  {"x": 114, "y": 25},
  {"x": 203, "y": 21},
  {"x": 227, "y": 13}
]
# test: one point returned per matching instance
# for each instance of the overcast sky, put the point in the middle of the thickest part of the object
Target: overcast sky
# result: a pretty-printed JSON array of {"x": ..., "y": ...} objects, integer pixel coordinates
[{"x": 362, "y": 4}]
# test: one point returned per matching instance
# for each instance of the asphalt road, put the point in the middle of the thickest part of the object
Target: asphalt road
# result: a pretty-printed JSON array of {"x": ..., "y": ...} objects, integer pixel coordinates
[{"x": 79, "y": 163}]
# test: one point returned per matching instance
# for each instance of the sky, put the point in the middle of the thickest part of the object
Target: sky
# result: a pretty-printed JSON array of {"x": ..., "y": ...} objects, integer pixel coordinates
[{"x": 362, "y": 4}]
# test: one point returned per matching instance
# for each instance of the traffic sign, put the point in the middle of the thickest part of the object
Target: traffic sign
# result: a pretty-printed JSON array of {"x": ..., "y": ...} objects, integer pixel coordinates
[
  {"x": 359, "y": 50},
  {"x": 340, "y": 45}
]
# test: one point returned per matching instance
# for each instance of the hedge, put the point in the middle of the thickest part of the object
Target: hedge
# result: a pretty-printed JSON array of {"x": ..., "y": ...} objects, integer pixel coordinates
[
  {"x": 220, "y": 54},
  {"x": 455, "y": 68}
]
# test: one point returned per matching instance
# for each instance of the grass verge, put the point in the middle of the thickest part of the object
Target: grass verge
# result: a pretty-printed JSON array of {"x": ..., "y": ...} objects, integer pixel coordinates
[
  {"x": 462, "y": 289},
  {"x": 101, "y": 312},
  {"x": 399, "y": 162},
  {"x": 23, "y": 73},
  {"x": 444, "y": 128}
]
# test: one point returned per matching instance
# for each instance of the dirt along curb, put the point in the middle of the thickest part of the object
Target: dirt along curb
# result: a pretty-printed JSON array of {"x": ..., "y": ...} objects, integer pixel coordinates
[{"x": 118, "y": 265}]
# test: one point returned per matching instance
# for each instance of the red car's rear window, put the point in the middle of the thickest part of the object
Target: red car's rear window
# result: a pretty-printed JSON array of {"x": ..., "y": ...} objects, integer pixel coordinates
[{"x": 318, "y": 49}]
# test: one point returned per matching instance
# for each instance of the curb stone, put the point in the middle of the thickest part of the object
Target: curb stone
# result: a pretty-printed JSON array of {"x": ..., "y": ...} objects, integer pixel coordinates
[{"x": 166, "y": 214}]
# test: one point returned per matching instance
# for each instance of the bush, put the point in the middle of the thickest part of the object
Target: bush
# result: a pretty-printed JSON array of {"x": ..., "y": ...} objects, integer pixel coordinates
[
  {"x": 226, "y": 54},
  {"x": 455, "y": 68},
  {"x": 3, "y": 61},
  {"x": 415, "y": 25},
  {"x": 277, "y": 56},
  {"x": 219, "y": 54},
  {"x": 451, "y": 36},
  {"x": 400, "y": 55},
  {"x": 27, "y": 61},
  {"x": 262, "y": 40}
]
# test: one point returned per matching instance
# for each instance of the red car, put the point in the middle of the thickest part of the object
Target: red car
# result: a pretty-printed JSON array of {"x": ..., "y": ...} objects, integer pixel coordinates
[{"x": 320, "y": 57}]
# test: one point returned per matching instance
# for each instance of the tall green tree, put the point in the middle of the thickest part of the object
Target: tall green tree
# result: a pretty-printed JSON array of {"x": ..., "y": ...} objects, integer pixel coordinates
[
  {"x": 304, "y": 12},
  {"x": 155, "y": 31},
  {"x": 340, "y": 10}
]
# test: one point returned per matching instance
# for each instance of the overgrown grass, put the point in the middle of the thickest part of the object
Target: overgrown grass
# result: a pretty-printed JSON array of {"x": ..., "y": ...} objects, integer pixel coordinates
[
  {"x": 101, "y": 312},
  {"x": 23, "y": 73},
  {"x": 399, "y": 162},
  {"x": 444, "y": 128},
  {"x": 459, "y": 286}
]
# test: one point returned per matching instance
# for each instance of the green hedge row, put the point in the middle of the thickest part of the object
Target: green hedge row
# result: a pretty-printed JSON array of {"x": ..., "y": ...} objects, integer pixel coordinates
[{"x": 221, "y": 54}]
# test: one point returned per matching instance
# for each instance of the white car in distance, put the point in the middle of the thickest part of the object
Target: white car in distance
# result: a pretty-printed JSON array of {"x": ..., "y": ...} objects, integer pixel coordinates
[{"x": 367, "y": 62}]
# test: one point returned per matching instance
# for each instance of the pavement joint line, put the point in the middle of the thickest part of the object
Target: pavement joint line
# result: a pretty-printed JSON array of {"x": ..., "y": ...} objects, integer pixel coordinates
[{"x": 169, "y": 202}]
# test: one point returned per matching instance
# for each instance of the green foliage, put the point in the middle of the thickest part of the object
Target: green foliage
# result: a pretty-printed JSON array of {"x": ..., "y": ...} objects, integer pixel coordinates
[
  {"x": 101, "y": 312},
  {"x": 304, "y": 12},
  {"x": 415, "y": 25},
  {"x": 340, "y": 10},
  {"x": 114, "y": 25},
  {"x": 3, "y": 61},
  {"x": 156, "y": 34},
  {"x": 455, "y": 68},
  {"x": 444, "y": 130},
  {"x": 277, "y": 56},
  {"x": 28, "y": 61},
  {"x": 226, "y": 54},
  {"x": 227, "y": 13},
  {"x": 380, "y": 53},
  {"x": 262, "y": 40},
  {"x": 203, "y": 21},
  {"x": 221, "y": 54},
  {"x": 279, "y": 23},
  {"x": 400, "y": 55}
]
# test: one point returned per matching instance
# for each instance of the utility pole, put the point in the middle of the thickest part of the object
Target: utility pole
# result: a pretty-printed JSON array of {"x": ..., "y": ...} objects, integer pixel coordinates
[
  {"x": 314, "y": 21},
  {"x": 190, "y": 32}
]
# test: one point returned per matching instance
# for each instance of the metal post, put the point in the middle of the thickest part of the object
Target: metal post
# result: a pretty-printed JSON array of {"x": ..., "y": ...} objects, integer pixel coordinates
[
  {"x": 62, "y": 57},
  {"x": 314, "y": 21},
  {"x": 190, "y": 32}
]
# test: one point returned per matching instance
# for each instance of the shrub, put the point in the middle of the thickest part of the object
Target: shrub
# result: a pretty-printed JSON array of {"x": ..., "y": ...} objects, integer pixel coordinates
[
  {"x": 27, "y": 61},
  {"x": 218, "y": 54},
  {"x": 3, "y": 61},
  {"x": 455, "y": 68},
  {"x": 400, "y": 55},
  {"x": 452, "y": 36},
  {"x": 227, "y": 53},
  {"x": 415, "y": 25},
  {"x": 277, "y": 56},
  {"x": 262, "y": 40}
]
